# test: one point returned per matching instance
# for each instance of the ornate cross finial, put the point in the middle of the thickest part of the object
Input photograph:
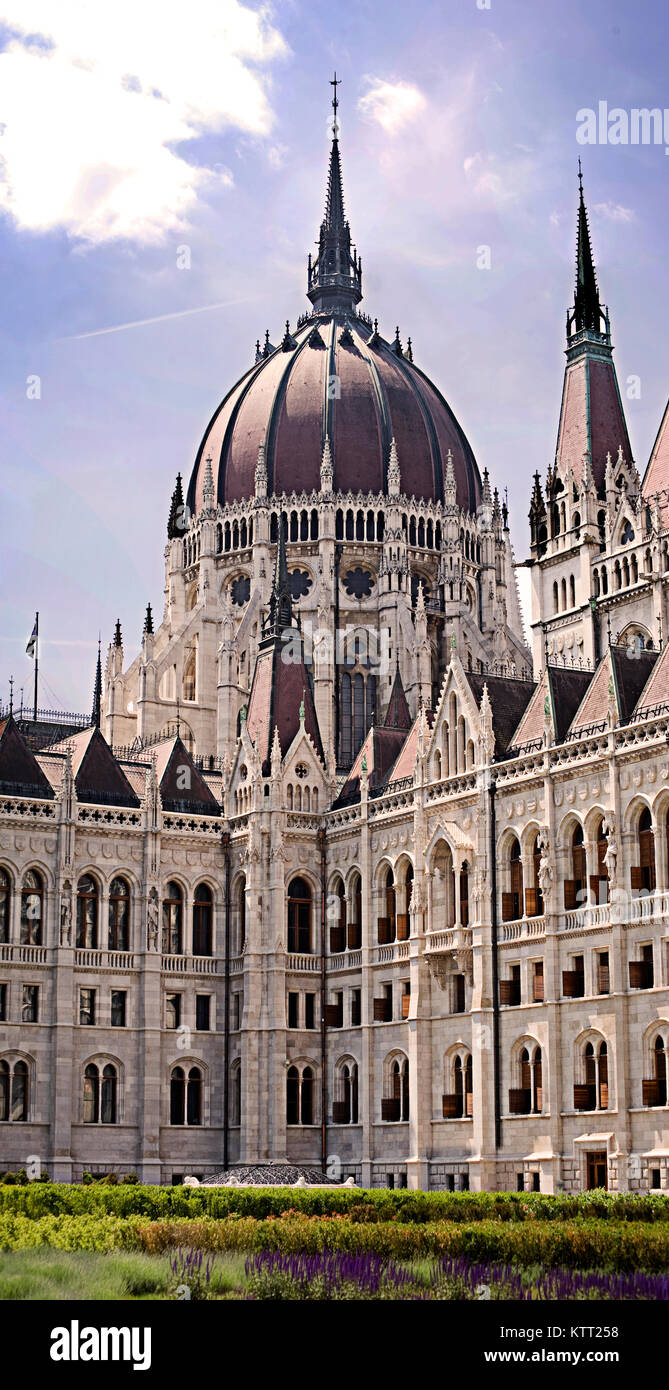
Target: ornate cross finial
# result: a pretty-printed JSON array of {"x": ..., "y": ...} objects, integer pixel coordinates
[
  {"x": 178, "y": 719},
  {"x": 580, "y": 175},
  {"x": 335, "y": 82},
  {"x": 11, "y": 694}
]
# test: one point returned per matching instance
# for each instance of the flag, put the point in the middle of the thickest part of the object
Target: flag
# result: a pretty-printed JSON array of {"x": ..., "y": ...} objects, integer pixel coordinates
[{"x": 32, "y": 641}]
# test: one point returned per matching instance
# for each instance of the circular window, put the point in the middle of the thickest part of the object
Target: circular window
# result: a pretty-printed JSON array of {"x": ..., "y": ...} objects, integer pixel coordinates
[
  {"x": 240, "y": 590},
  {"x": 301, "y": 770},
  {"x": 358, "y": 583},
  {"x": 300, "y": 583}
]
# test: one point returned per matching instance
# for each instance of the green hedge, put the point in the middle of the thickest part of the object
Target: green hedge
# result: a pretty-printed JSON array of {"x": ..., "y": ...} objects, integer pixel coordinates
[
  {"x": 157, "y": 1203},
  {"x": 584, "y": 1244}
]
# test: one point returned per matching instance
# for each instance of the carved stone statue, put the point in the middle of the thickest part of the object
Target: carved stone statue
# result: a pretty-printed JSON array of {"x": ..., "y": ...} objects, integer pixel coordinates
[
  {"x": 152, "y": 916},
  {"x": 66, "y": 919},
  {"x": 611, "y": 853},
  {"x": 545, "y": 872}
]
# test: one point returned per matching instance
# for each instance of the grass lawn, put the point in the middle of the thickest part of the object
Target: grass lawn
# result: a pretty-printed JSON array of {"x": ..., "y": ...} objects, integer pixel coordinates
[{"x": 46, "y": 1274}]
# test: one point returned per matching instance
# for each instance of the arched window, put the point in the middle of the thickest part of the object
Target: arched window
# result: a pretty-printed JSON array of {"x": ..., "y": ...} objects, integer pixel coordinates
[
  {"x": 346, "y": 724},
  {"x": 593, "y": 1092},
  {"x": 576, "y": 523},
  {"x": 5, "y": 904},
  {"x": 236, "y": 1093},
  {"x": 643, "y": 873},
  {"x": 88, "y": 898},
  {"x": 172, "y": 942},
  {"x": 32, "y": 908},
  {"x": 387, "y": 924},
  {"x": 14, "y": 1095},
  {"x": 605, "y": 580},
  {"x": 300, "y": 1096},
  {"x": 512, "y": 900},
  {"x": 396, "y": 1105},
  {"x": 186, "y": 1096},
  {"x": 556, "y": 599},
  {"x": 314, "y": 525},
  {"x": 339, "y": 525},
  {"x": 572, "y": 592},
  {"x": 563, "y": 593},
  {"x": 576, "y": 887},
  {"x": 345, "y": 1104},
  {"x": 194, "y": 1097},
  {"x": 100, "y": 1094},
  {"x": 299, "y": 917},
  {"x": 655, "y": 1090},
  {"x": 349, "y": 525},
  {"x": 457, "y": 1102},
  {"x": 293, "y": 526},
  {"x": 119, "y": 915},
  {"x": 534, "y": 904},
  {"x": 203, "y": 912},
  {"x": 464, "y": 895},
  {"x": 241, "y": 915},
  {"x": 178, "y": 1096},
  {"x": 525, "y": 1098},
  {"x": 602, "y": 880}
]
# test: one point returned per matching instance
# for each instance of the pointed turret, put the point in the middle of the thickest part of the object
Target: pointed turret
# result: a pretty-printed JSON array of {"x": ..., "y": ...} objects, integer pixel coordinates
[
  {"x": 208, "y": 488},
  {"x": 261, "y": 473},
  {"x": 394, "y": 480},
  {"x": 326, "y": 468},
  {"x": 97, "y": 691},
  {"x": 175, "y": 521},
  {"x": 148, "y": 622},
  {"x": 334, "y": 277},
  {"x": 118, "y": 640},
  {"x": 592, "y": 419}
]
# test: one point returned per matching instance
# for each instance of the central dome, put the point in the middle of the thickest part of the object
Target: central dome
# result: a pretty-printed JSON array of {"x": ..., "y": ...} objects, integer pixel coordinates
[
  {"x": 339, "y": 379},
  {"x": 335, "y": 379}
]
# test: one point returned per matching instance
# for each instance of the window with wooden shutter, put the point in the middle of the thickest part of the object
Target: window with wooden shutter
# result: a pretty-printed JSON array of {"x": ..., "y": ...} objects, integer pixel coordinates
[
  {"x": 570, "y": 894},
  {"x": 532, "y": 902},
  {"x": 538, "y": 982}
]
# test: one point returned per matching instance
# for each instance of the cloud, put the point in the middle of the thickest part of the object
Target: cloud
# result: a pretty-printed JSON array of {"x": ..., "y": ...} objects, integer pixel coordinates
[
  {"x": 96, "y": 103},
  {"x": 391, "y": 104},
  {"x": 497, "y": 180},
  {"x": 614, "y": 212}
]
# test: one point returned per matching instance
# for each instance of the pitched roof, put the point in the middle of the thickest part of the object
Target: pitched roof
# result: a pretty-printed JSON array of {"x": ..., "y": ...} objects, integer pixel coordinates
[
  {"x": 98, "y": 777},
  {"x": 397, "y": 713},
  {"x": 628, "y": 673},
  {"x": 182, "y": 788},
  {"x": 656, "y": 690},
  {"x": 508, "y": 700},
  {"x": 20, "y": 773},
  {"x": 565, "y": 688},
  {"x": 656, "y": 477}
]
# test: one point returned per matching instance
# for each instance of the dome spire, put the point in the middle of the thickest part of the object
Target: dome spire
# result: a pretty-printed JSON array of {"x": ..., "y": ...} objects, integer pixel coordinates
[{"x": 334, "y": 277}]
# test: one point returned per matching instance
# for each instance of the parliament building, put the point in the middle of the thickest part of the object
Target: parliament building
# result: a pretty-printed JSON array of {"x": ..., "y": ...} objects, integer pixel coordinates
[{"x": 347, "y": 869}]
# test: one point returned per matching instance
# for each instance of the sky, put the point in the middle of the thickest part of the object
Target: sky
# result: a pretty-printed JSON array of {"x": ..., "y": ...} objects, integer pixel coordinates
[{"x": 162, "y": 179}]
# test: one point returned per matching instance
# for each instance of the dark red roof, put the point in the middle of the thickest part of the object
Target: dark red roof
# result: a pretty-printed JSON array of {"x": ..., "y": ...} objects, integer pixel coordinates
[
  {"x": 286, "y": 402},
  {"x": 278, "y": 689},
  {"x": 591, "y": 417}
]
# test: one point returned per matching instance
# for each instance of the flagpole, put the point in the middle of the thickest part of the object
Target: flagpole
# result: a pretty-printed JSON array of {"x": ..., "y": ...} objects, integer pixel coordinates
[{"x": 36, "y": 663}]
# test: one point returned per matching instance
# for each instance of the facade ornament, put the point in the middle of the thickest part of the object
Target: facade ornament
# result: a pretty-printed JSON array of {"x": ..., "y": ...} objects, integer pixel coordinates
[
  {"x": 152, "y": 918},
  {"x": 545, "y": 871},
  {"x": 66, "y": 914},
  {"x": 611, "y": 853}
]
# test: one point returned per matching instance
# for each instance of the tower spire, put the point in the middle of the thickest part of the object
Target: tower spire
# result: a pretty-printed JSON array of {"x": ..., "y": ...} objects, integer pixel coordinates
[
  {"x": 97, "y": 692},
  {"x": 334, "y": 276},
  {"x": 587, "y": 313}
]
